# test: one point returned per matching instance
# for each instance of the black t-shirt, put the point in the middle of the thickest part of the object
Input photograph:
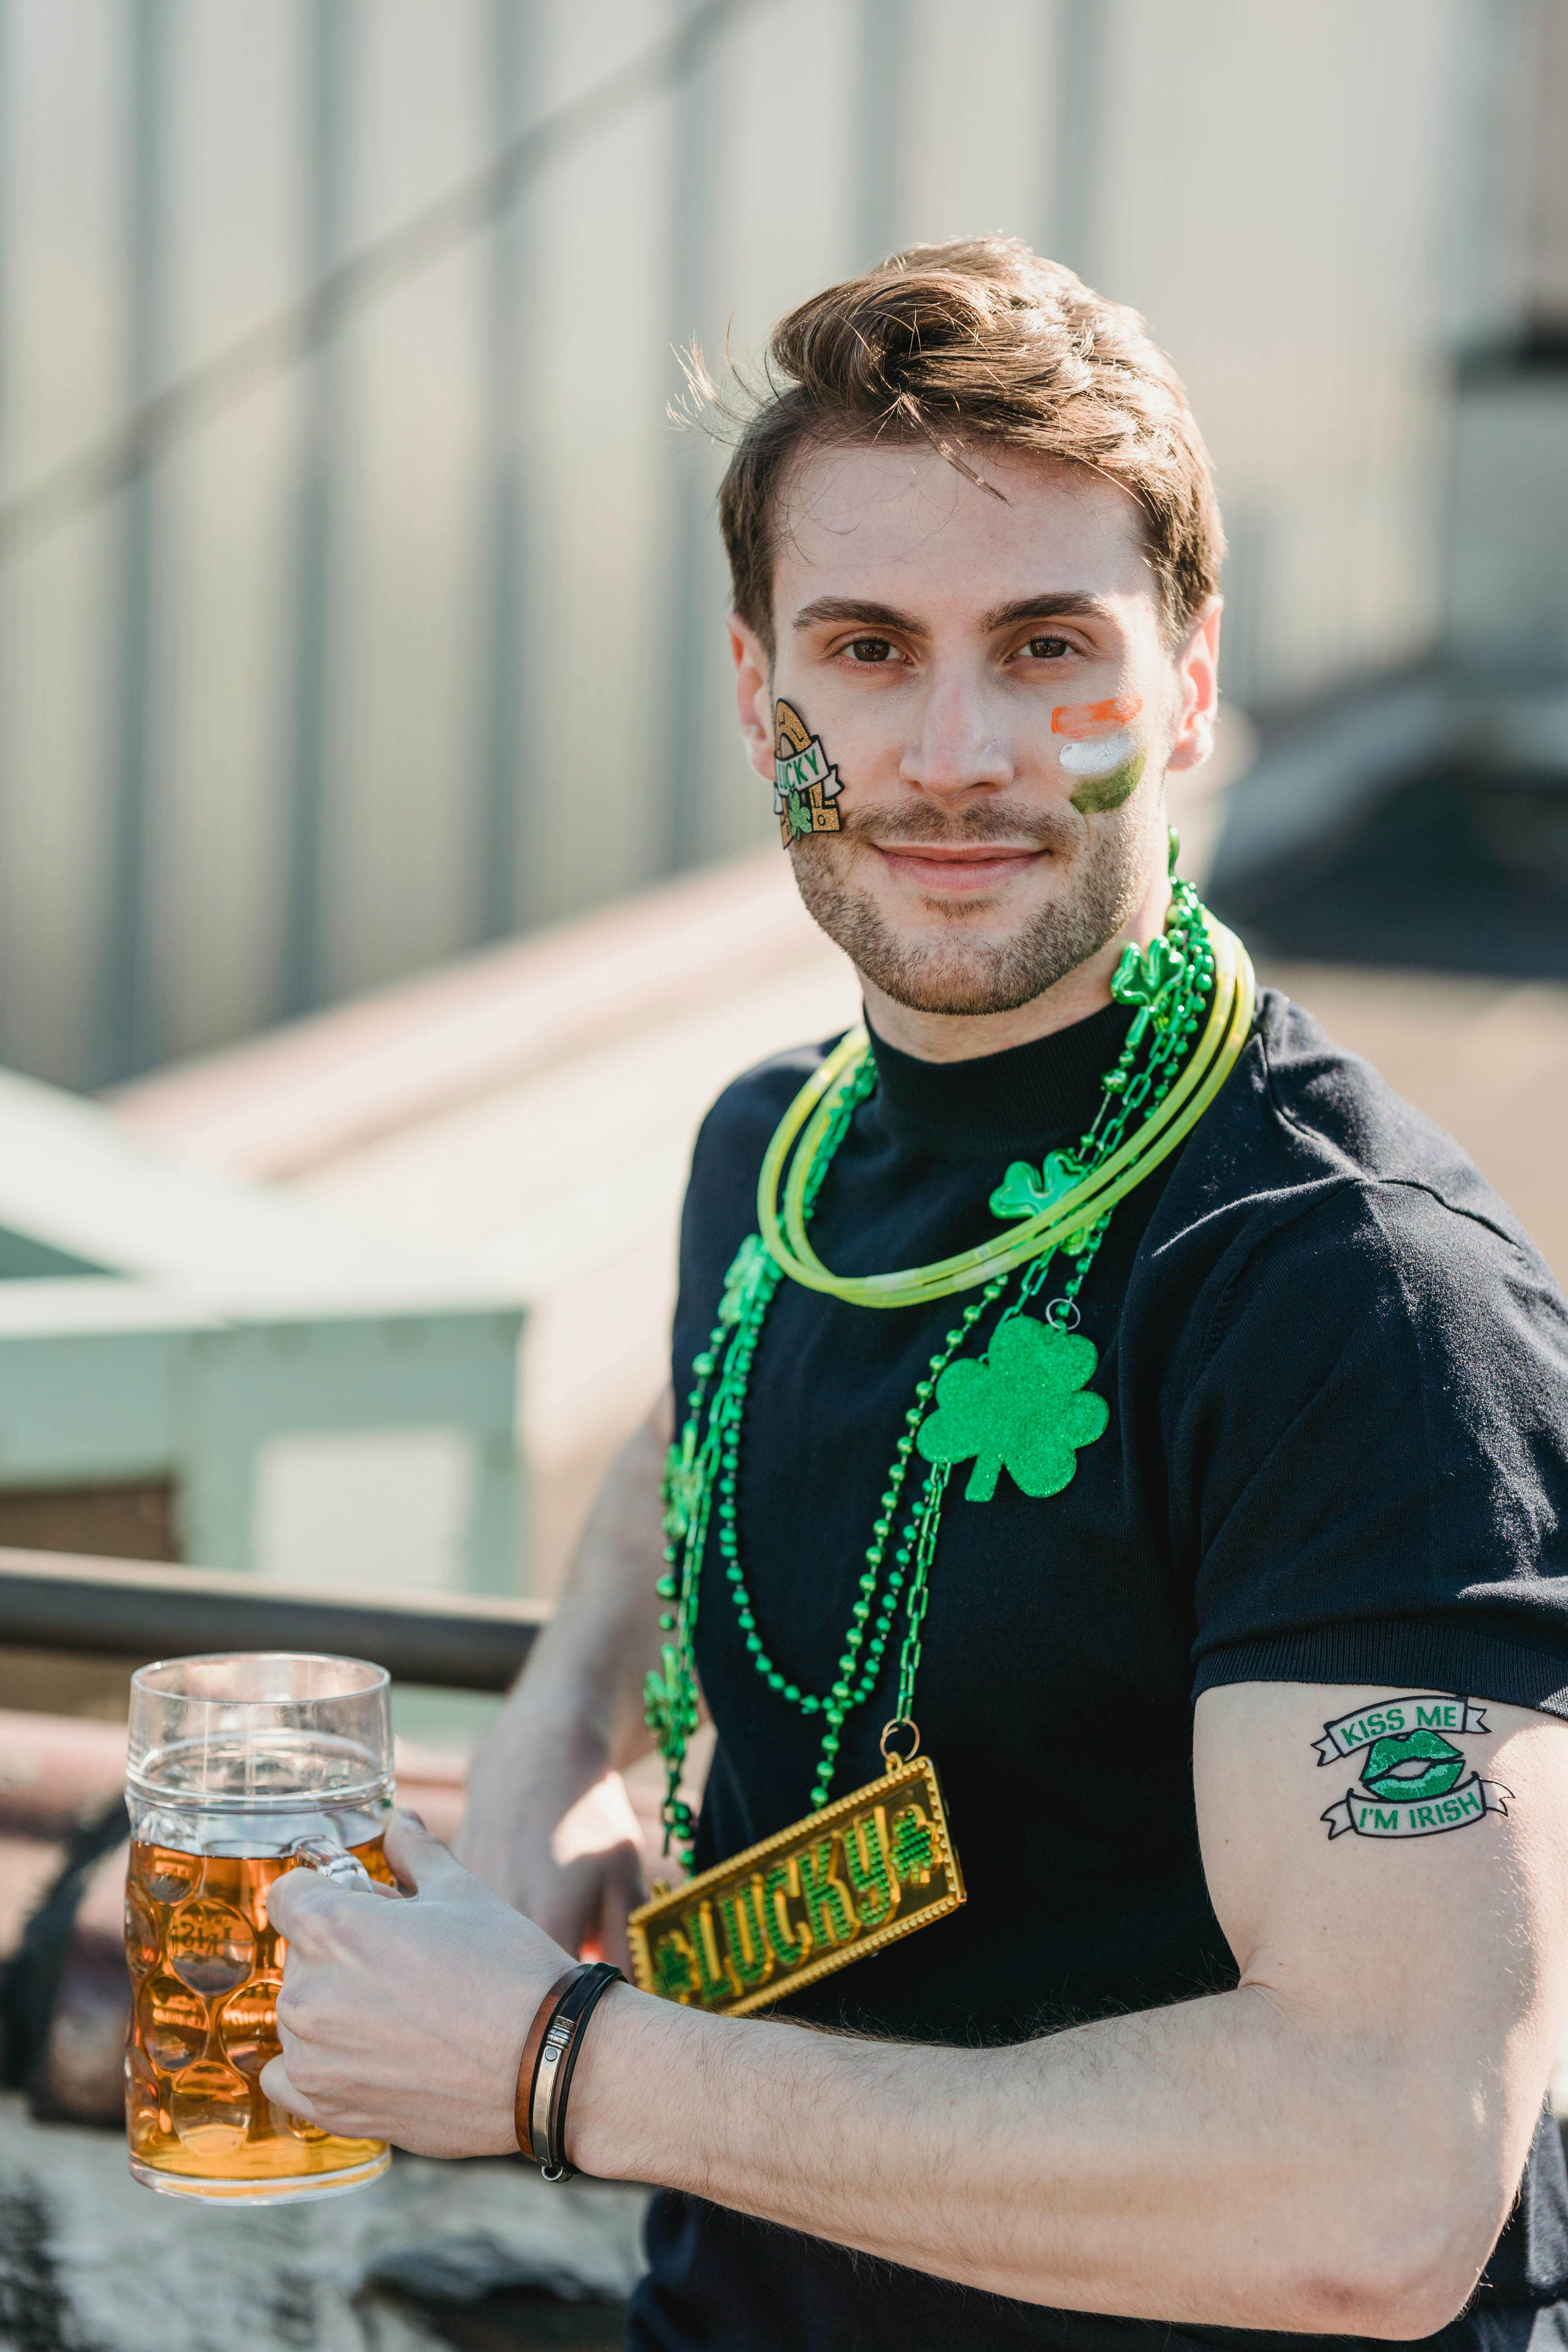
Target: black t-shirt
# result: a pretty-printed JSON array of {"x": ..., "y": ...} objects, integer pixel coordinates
[{"x": 1337, "y": 1372}]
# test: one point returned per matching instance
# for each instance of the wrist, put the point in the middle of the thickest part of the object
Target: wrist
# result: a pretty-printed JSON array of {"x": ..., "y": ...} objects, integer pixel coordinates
[
  {"x": 550, "y": 2053},
  {"x": 623, "y": 2104}
]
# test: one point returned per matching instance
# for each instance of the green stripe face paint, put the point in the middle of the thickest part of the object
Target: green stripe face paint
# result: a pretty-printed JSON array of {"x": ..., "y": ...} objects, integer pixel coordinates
[{"x": 1095, "y": 794}]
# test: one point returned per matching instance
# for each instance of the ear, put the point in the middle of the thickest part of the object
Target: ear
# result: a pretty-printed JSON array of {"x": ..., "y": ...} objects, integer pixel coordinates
[
  {"x": 753, "y": 695},
  {"x": 1197, "y": 667}
]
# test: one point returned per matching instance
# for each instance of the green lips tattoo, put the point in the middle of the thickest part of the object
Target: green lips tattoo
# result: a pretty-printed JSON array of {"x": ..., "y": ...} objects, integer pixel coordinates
[
  {"x": 1411, "y": 1783},
  {"x": 1387, "y": 1774}
]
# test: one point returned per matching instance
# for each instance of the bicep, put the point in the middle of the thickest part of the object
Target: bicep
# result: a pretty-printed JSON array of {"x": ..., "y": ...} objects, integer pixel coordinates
[{"x": 1413, "y": 1887}]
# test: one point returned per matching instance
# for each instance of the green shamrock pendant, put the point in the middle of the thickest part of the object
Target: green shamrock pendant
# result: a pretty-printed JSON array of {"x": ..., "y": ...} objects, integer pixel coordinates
[
  {"x": 682, "y": 1491},
  {"x": 748, "y": 1270},
  {"x": 1022, "y": 1194},
  {"x": 1149, "y": 981},
  {"x": 1022, "y": 1410}
]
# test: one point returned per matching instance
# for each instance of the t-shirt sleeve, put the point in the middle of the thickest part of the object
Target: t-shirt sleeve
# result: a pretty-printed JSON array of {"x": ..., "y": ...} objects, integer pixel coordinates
[{"x": 1370, "y": 1466}]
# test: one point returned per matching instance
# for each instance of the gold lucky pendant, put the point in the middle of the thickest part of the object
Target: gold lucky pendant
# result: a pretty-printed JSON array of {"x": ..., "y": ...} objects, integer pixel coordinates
[{"x": 833, "y": 1888}]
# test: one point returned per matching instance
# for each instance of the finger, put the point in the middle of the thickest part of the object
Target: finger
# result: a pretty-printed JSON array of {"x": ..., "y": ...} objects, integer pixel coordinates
[
  {"x": 301, "y": 1899},
  {"x": 275, "y": 2082},
  {"x": 407, "y": 1813},
  {"x": 422, "y": 1861}
]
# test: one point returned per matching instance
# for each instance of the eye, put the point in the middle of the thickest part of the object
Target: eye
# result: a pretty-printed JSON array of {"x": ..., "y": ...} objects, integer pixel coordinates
[
  {"x": 871, "y": 649},
  {"x": 1048, "y": 648}
]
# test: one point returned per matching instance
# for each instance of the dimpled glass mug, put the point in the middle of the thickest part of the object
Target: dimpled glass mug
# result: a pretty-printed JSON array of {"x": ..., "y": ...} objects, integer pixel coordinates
[{"x": 238, "y": 1769}]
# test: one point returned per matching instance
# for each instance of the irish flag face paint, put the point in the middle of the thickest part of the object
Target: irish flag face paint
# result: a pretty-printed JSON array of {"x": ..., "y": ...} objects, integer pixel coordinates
[{"x": 1101, "y": 750}]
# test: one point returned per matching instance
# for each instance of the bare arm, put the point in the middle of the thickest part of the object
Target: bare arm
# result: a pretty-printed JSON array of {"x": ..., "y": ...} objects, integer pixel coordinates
[
  {"x": 548, "y": 1824},
  {"x": 1332, "y": 2148}
]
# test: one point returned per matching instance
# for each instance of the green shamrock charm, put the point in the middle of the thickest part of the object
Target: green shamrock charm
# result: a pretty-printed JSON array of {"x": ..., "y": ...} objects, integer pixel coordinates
[
  {"x": 914, "y": 1849},
  {"x": 1023, "y": 1193},
  {"x": 662, "y": 1693},
  {"x": 1020, "y": 1410},
  {"x": 672, "y": 1971},
  {"x": 1146, "y": 979},
  {"x": 747, "y": 1268},
  {"x": 682, "y": 1489}
]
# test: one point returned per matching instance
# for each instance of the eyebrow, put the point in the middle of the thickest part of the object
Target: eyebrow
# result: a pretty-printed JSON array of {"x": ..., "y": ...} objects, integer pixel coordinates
[
  {"x": 1070, "y": 604},
  {"x": 1067, "y": 603},
  {"x": 854, "y": 608}
]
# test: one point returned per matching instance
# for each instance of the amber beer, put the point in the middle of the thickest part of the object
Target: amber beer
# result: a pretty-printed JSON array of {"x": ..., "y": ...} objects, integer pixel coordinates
[
  {"x": 205, "y": 1968},
  {"x": 235, "y": 1765}
]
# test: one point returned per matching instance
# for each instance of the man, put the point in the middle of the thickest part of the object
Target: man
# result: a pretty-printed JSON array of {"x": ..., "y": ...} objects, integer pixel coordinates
[{"x": 1241, "y": 1647}]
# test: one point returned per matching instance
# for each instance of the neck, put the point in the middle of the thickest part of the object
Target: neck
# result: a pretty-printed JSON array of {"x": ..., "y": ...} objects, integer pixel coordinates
[{"x": 964, "y": 1036}]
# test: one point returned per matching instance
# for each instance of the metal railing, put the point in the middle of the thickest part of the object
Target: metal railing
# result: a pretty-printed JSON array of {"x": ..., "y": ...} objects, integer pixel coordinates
[{"x": 129, "y": 1611}]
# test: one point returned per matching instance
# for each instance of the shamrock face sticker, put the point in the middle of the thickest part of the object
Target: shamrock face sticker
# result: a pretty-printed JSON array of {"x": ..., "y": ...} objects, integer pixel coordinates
[
  {"x": 1023, "y": 1410},
  {"x": 805, "y": 785}
]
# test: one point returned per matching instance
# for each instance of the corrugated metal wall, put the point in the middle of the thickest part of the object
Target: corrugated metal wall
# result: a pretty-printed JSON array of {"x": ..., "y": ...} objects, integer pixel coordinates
[{"x": 417, "y": 640}]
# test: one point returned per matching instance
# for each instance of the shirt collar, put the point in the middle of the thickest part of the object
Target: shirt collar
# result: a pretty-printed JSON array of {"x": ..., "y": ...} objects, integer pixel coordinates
[{"x": 1025, "y": 1099}]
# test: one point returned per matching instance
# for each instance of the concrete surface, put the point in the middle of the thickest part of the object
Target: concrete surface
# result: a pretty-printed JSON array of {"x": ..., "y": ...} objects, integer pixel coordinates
[{"x": 90, "y": 2261}]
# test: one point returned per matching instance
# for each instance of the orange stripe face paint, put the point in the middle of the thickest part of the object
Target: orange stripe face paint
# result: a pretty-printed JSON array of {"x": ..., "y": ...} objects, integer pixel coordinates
[{"x": 1084, "y": 720}]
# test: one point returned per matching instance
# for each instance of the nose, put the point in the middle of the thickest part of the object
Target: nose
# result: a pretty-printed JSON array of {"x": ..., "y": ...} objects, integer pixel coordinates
[{"x": 957, "y": 749}]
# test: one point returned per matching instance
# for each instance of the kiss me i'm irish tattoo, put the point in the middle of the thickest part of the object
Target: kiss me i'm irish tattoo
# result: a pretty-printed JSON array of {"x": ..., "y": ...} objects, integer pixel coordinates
[{"x": 1411, "y": 1773}]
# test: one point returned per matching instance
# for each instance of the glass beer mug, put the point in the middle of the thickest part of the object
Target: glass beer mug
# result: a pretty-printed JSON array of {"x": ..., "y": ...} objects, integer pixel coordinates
[{"x": 238, "y": 1768}]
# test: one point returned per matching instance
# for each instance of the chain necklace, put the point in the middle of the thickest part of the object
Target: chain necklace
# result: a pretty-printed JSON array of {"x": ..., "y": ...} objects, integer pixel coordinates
[{"x": 1020, "y": 1404}]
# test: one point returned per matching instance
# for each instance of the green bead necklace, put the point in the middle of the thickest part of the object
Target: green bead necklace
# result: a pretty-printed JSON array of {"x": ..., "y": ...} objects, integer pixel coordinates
[{"x": 1020, "y": 1402}]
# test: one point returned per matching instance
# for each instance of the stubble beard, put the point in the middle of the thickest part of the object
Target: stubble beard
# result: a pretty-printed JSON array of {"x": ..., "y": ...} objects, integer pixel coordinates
[{"x": 959, "y": 972}]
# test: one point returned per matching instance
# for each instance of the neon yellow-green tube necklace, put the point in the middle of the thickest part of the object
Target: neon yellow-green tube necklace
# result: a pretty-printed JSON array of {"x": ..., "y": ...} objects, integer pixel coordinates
[{"x": 1021, "y": 1408}]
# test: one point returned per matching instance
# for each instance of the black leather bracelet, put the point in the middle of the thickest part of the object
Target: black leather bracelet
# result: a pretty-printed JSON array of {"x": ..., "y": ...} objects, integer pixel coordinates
[{"x": 542, "y": 2104}]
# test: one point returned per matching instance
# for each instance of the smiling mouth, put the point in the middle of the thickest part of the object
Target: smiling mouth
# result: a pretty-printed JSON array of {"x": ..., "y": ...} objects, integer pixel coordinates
[{"x": 957, "y": 865}]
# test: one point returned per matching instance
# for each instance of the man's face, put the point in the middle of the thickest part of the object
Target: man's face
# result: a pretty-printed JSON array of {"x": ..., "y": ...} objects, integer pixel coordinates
[{"x": 988, "y": 675}]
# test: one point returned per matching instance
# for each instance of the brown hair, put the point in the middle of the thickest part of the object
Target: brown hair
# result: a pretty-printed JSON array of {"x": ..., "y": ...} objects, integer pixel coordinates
[{"x": 977, "y": 341}]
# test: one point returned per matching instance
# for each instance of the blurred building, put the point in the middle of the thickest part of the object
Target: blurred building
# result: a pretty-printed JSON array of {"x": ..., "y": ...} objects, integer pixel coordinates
[
  {"x": 363, "y": 711},
  {"x": 195, "y": 1369},
  {"x": 337, "y": 638}
]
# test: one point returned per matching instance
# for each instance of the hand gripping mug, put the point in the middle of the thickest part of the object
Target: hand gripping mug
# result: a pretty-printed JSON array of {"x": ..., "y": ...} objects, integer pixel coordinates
[{"x": 238, "y": 1769}]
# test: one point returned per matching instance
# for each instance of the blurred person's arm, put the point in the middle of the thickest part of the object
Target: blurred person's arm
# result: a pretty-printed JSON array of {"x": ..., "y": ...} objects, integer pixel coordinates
[{"x": 549, "y": 1825}]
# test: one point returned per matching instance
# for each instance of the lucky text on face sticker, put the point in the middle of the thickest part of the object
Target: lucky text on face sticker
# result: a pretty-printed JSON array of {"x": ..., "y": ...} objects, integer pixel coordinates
[
  {"x": 1412, "y": 1782},
  {"x": 1101, "y": 750},
  {"x": 805, "y": 785}
]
